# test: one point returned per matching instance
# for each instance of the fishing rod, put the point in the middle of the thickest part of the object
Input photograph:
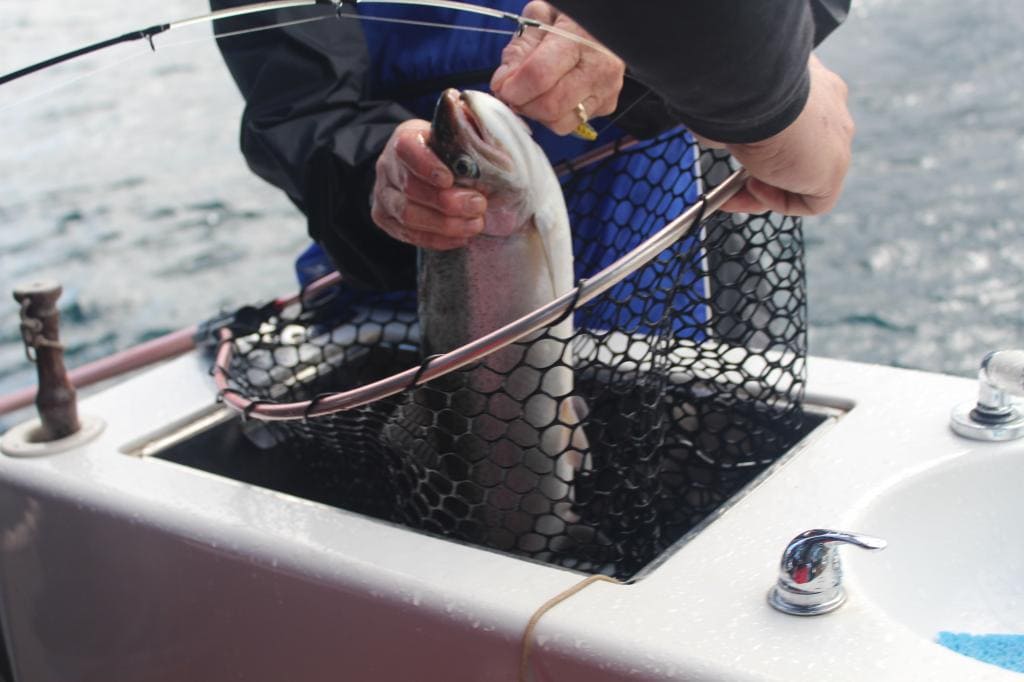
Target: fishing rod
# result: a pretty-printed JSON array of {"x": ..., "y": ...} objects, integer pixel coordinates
[{"x": 337, "y": 6}]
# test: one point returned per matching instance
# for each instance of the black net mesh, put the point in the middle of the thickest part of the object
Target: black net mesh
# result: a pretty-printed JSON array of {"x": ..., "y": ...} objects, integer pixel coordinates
[{"x": 594, "y": 447}]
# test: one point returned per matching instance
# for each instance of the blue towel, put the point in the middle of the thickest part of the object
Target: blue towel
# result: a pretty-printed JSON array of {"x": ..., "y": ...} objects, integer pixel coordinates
[{"x": 1006, "y": 651}]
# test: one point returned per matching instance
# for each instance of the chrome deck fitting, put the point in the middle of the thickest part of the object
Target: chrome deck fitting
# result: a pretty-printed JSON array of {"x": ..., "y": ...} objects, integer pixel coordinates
[
  {"x": 810, "y": 574},
  {"x": 995, "y": 416}
]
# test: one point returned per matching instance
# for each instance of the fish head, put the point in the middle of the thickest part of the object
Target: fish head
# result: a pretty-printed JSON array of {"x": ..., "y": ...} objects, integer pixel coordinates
[{"x": 489, "y": 148}]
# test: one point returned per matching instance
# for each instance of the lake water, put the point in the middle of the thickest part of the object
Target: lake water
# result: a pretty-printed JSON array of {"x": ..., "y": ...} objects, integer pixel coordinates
[
  {"x": 921, "y": 264},
  {"x": 127, "y": 185}
]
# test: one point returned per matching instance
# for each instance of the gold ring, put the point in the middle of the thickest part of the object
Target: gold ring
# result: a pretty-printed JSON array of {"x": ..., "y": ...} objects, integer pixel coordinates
[
  {"x": 581, "y": 111},
  {"x": 584, "y": 130}
]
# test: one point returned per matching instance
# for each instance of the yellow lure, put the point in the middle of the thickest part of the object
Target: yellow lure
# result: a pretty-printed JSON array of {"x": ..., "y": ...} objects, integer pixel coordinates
[{"x": 585, "y": 131}]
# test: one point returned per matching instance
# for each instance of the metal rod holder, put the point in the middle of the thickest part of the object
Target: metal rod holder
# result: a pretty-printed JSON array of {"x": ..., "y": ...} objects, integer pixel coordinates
[
  {"x": 40, "y": 321},
  {"x": 995, "y": 416}
]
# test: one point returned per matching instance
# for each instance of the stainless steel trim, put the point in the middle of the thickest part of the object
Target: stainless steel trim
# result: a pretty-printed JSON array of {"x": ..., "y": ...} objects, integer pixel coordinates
[{"x": 178, "y": 431}]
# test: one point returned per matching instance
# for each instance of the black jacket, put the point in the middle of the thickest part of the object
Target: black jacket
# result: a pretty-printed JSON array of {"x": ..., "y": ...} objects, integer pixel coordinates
[{"x": 745, "y": 75}]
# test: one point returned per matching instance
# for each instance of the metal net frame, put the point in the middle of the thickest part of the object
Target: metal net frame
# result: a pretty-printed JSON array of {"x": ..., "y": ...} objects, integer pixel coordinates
[{"x": 592, "y": 434}]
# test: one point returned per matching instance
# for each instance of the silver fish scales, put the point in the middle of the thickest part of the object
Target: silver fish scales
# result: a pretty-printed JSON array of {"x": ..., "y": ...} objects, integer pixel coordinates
[{"x": 489, "y": 453}]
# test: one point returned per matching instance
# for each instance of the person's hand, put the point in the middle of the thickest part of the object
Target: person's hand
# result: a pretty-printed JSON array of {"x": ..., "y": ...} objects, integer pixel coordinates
[
  {"x": 545, "y": 76},
  {"x": 800, "y": 171},
  {"x": 414, "y": 197}
]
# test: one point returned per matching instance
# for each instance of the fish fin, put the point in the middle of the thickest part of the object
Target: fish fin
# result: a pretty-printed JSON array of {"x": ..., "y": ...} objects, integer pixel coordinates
[
  {"x": 573, "y": 459},
  {"x": 552, "y": 224},
  {"x": 579, "y": 405},
  {"x": 571, "y": 412}
]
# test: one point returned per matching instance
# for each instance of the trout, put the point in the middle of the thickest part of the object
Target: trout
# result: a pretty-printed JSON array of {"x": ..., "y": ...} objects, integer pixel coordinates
[{"x": 490, "y": 452}]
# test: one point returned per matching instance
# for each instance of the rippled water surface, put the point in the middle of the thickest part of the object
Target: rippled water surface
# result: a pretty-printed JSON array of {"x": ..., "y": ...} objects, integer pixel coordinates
[
  {"x": 922, "y": 264},
  {"x": 127, "y": 185}
]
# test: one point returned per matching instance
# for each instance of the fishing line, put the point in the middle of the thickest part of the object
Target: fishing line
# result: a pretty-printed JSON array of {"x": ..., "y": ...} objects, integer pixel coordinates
[
  {"x": 522, "y": 21},
  {"x": 244, "y": 31},
  {"x": 480, "y": 29},
  {"x": 647, "y": 91},
  {"x": 164, "y": 46},
  {"x": 150, "y": 32},
  {"x": 71, "y": 81},
  {"x": 430, "y": 24},
  {"x": 411, "y": 22},
  {"x": 154, "y": 47},
  {"x": 244, "y": 10}
]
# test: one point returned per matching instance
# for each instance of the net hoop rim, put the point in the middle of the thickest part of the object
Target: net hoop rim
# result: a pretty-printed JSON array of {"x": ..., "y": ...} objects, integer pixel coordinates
[{"x": 478, "y": 349}]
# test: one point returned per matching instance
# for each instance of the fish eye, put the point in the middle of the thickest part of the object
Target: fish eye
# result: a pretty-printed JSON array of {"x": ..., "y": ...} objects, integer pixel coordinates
[{"x": 465, "y": 167}]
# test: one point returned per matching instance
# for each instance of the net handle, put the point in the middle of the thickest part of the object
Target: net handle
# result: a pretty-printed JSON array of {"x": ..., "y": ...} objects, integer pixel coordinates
[{"x": 476, "y": 350}]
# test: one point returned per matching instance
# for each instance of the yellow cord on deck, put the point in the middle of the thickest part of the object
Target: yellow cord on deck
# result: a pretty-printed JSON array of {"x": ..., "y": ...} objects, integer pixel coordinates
[{"x": 527, "y": 646}]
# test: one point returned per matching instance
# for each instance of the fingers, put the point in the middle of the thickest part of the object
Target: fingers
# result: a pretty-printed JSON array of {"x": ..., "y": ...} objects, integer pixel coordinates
[
  {"x": 419, "y": 224},
  {"x": 407, "y": 150},
  {"x": 557, "y": 107},
  {"x": 453, "y": 212},
  {"x": 758, "y": 197},
  {"x": 424, "y": 240},
  {"x": 545, "y": 76},
  {"x": 414, "y": 199},
  {"x": 455, "y": 202},
  {"x": 444, "y": 213},
  {"x": 743, "y": 202}
]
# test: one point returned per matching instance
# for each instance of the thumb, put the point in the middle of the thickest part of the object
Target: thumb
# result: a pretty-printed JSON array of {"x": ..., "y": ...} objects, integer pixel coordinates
[{"x": 500, "y": 75}]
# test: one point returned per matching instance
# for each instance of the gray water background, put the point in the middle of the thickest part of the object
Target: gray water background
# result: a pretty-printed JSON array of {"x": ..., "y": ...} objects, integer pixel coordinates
[{"x": 127, "y": 185}]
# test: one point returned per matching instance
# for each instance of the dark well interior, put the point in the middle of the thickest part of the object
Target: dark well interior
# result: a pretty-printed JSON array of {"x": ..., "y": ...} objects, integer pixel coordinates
[{"x": 693, "y": 488}]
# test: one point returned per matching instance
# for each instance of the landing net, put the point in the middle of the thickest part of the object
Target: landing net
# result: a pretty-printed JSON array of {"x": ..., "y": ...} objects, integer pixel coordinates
[{"x": 685, "y": 380}]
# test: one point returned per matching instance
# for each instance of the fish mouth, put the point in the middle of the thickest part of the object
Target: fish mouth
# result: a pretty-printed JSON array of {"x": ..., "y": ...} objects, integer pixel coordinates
[
  {"x": 471, "y": 118},
  {"x": 454, "y": 111},
  {"x": 455, "y": 127}
]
